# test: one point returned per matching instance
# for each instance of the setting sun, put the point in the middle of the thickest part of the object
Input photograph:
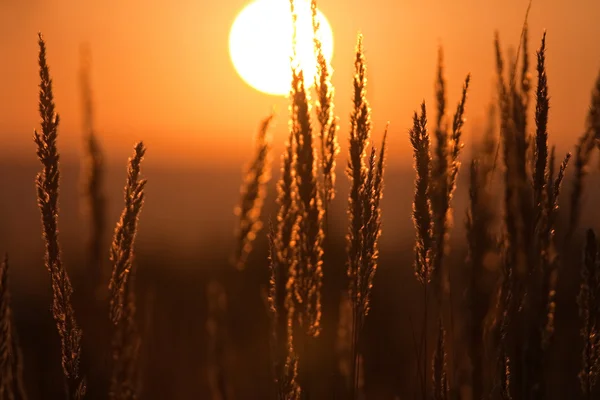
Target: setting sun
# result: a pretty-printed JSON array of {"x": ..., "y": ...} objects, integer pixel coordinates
[{"x": 260, "y": 44}]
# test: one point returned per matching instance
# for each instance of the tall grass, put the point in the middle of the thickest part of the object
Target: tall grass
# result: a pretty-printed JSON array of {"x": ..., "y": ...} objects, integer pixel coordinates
[
  {"x": 531, "y": 204},
  {"x": 301, "y": 222},
  {"x": 94, "y": 173},
  {"x": 126, "y": 375},
  {"x": 121, "y": 251},
  {"x": 328, "y": 124},
  {"x": 47, "y": 183},
  {"x": 589, "y": 312},
  {"x": 309, "y": 274},
  {"x": 482, "y": 242},
  {"x": 583, "y": 153},
  {"x": 525, "y": 260},
  {"x": 253, "y": 194},
  {"x": 364, "y": 213},
  {"x": 125, "y": 381},
  {"x": 283, "y": 357},
  {"x": 436, "y": 174},
  {"x": 11, "y": 364},
  {"x": 444, "y": 171}
]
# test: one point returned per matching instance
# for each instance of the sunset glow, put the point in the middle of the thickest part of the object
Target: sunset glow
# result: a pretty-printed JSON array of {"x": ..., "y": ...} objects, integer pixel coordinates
[{"x": 260, "y": 44}]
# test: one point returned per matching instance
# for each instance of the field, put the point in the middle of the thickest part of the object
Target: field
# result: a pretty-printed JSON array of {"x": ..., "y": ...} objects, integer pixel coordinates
[{"x": 329, "y": 275}]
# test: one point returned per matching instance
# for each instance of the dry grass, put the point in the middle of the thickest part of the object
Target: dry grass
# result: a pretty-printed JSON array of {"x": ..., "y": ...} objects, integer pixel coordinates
[
  {"x": 11, "y": 365},
  {"x": 253, "y": 193},
  {"x": 125, "y": 381},
  {"x": 444, "y": 171},
  {"x": 308, "y": 276},
  {"x": 508, "y": 325},
  {"x": 121, "y": 251},
  {"x": 589, "y": 309},
  {"x": 47, "y": 183},
  {"x": 583, "y": 154},
  {"x": 422, "y": 214},
  {"x": 283, "y": 358},
  {"x": 126, "y": 375},
  {"x": 325, "y": 115},
  {"x": 482, "y": 249},
  {"x": 366, "y": 181},
  {"x": 94, "y": 174}
]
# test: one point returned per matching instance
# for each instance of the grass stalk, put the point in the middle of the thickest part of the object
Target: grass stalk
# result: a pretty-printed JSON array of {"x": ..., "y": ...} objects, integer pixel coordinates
[
  {"x": 423, "y": 222},
  {"x": 121, "y": 251},
  {"x": 589, "y": 313},
  {"x": 253, "y": 193},
  {"x": 366, "y": 190},
  {"x": 583, "y": 152},
  {"x": 325, "y": 115},
  {"x": 94, "y": 175},
  {"x": 284, "y": 360},
  {"x": 309, "y": 276},
  {"x": 11, "y": 364},
  {"x": 126, "y": 340},
  {"x": 47, "y": 183},
  {"x": 126, "y": 374}
]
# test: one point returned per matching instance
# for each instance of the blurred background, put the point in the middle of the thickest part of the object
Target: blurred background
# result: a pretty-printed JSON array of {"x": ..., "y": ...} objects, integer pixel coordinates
[{"x": 161, "y": 73}]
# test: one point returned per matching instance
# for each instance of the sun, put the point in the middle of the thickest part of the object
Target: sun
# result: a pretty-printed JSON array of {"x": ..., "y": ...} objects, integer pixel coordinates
[{"x": 260, "y": 44}]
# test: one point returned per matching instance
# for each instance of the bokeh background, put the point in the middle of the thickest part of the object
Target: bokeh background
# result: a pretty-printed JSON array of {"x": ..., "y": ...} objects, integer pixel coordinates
[{"x": 161, "y": 72}]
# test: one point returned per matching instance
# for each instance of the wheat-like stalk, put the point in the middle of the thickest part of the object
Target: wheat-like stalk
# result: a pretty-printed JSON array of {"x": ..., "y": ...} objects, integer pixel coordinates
[
  {"x": 583, "y": 153},
  {"x": 423, "y": 221},
  {"x": 589, "y": 312},
  {"x": 481, "y": 244},
  {"x": 47, "y": 183},
  {"x": 121, "y": 251},
  {"x": 357, "y": 170},
  {"x": 367, "y": 237},
  {"x": 284, "y": 259},
  {"x": 515, "y": 144},
  {"x": 541, "y": 136},
  {"x": 550, "y": 253},
  {"x": 284, "y": 358},
  {"x": 325, "y": 115},
  {"x": 422, "y": 214},
  {"x": 444, "y": 170},
  {"x": 125, "y": 381},
  {"x": 366, "y": 180},
  {"x": 11, "y": 365},
  {"x": 440, "y": 167},
  {"x": 503, "y": 319},
  {"x": 309, "y": 274},
  {"x": 444, "y": 182},
  {"x": 371, "y": 194},
  {"x": 540, "y": 285},
  {"x": 253, "y": 193},
  {"x": 126, "y": 378},
  {"x": 94, "y": 176},
  {"x": 519, "y": 259},
  {"x": 284, "y": 256}
]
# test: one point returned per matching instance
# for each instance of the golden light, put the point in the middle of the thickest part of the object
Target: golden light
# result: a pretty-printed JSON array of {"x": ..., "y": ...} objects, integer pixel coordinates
[{"x": 260, "y": 44}]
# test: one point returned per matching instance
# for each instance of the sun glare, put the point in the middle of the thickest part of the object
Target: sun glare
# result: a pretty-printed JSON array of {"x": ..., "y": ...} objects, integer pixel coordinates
[{"x": 260, "y": 44}]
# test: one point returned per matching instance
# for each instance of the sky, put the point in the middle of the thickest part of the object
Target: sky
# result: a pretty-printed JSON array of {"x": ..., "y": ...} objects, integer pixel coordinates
[{"x": 161, "y": 70}]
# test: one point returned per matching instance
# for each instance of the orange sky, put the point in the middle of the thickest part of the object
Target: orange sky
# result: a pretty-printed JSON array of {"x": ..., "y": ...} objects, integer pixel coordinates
[{"x": 161, "y": 69}]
